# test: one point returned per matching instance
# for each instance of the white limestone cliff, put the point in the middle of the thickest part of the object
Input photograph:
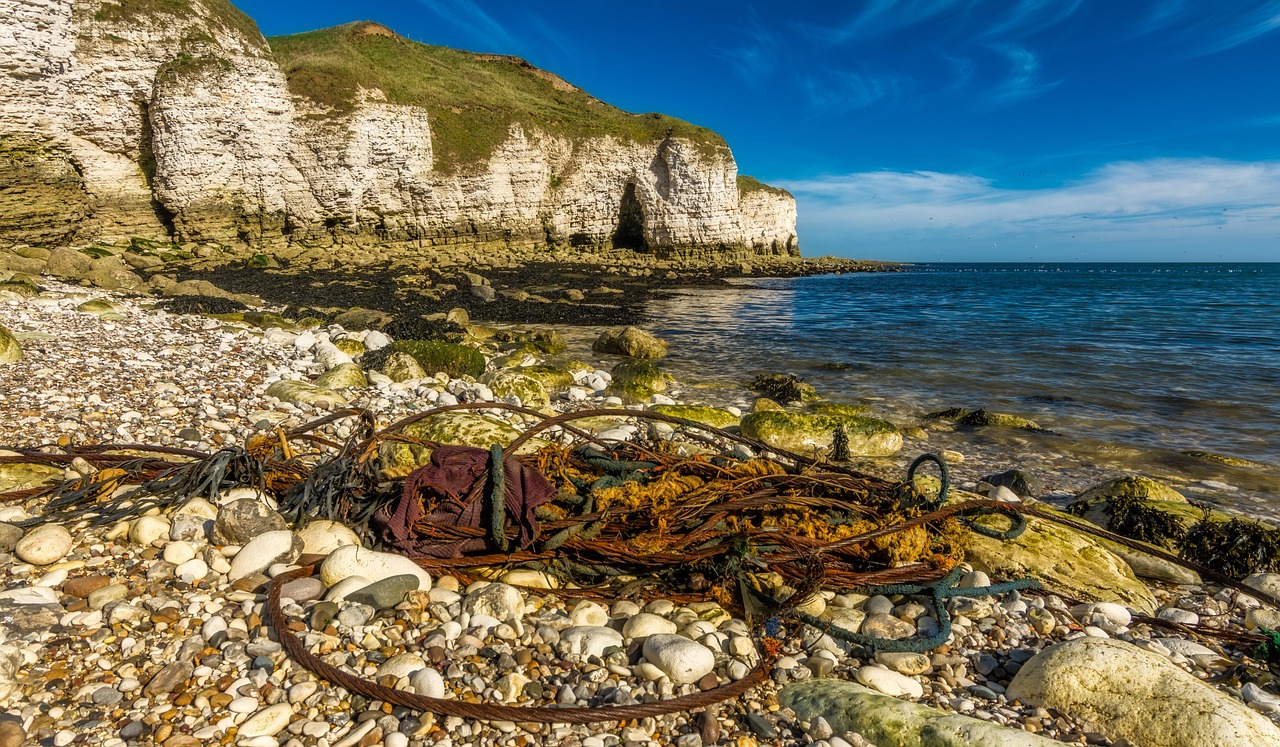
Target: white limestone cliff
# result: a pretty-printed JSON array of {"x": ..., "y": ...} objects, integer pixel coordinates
[{"x": 164, "y": 124}]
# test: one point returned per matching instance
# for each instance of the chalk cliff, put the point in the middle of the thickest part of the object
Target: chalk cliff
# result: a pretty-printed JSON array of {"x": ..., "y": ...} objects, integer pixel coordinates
[{"x": 177, "y": 120}]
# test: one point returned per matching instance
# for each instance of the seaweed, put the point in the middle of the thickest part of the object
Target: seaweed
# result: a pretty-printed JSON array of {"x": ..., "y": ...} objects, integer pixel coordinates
[
  {"x": 783, "y": 387},
  {"x": 1235, "y": 547}
]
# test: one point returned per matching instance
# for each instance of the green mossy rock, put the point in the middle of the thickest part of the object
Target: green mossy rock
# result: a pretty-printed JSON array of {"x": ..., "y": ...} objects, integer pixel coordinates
[
  {"x": 18, "y": 290},
  {"x": 267, "y": 320},
  {"x": 630, "y": 392},
  {"x": 402, "y": 367},
  {"x": 1132, "y": 486},
  {"x": 804, "y": 434},
  {"x": 551, "y": 378},
  {"x": 513, "y": 383},
  {"x": 363, "y": 319},
  {"x": 22, "y": 476},
  {"x": 631, "y": 342},
  {"x": 980, "y": 418},
  {"x": 712, "y": 416},
  {"x": 642, "y": 373},
  {"x": 99, "y": 307},
  {"x": 343, "y": 376},
  {"x": 460, "y": 428},
  {"x": 350, "y": 347},
  {"x": 764, "y": 404},
  {"x": 303, "y": 392},
  {"x": 783, "y": 388},
  {"x": 10, "y": 350},
  {"x": 836, "y": 408},
  {"x": 1061, "y": 558},
  {"x": 443, "y": 357},
  {"x": 1213, "y": 458},
  {"x": 890, "y": 722}
]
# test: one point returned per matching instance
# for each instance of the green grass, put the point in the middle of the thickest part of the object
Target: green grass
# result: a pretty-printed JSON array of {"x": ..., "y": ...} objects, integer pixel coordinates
[
  {"x": 472, "y": 100},
  {"x": 221, "y": 12},
  {"x": 749, "y": 184}
]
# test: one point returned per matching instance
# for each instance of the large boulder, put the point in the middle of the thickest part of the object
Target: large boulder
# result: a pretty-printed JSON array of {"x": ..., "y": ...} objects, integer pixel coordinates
[
  {"x": 342, "y": 376},
  {"x": 1062, "y": 559},
  {"x": 631, "y": 342},
  {"x": 400, "y": 366},
  {"x": 887, "y": 721},
  {"x": 513, "y": 383},
  {"x": 712, "y": 416},
  {"x": 10, "y": 349},
  {"x": 68, "y": 264},
  {"x": 449, "y": 358},
  {"x": 113, "y": 274},
  {"x": 805, "y": 434},
  {"x": 1134, "y": 694}
]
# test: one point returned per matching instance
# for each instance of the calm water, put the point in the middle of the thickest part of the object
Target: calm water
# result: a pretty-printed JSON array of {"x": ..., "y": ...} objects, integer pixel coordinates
[{"x": 1159, "y": 357}]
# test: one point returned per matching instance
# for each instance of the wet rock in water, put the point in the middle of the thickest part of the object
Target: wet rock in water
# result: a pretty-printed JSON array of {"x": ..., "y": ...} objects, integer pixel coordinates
[
  {"x": 353, "y": 560},
  {"x": 302, "y": 392},
  {"x": 241, "y": 520},
  {"x": 44, "y": 545},
  {"x": 631, "y": 342},
  {"x": 639, "y": 375},
  {"x": 681, "y": 659},
  {"x": 1131, "y": 486},
  {"x": 515, "y": 384},
  {"x": 712, "y": 416},
  {"x": 783, "y": 388},
  {"x": 342, "y": 376},
  {"x": 805, "y": 434},
  {"x": 1138, "y": 695},
  {"x": 386, "y": 593},
  {"x": 1022, "y": 483},
  {"x": 10, "y": 349},
  {"x": 982, "y": 418},
  {"x": 849, "y": 707}
]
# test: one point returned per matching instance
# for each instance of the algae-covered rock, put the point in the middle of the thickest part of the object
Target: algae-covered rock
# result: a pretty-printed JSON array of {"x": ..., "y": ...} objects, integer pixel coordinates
[
  {"x": 1131, "y": 486},
  {"x": 402, "y": 367},
  {"x": 1061, "y": 558},
  {"x": 305, "y": 393},
  {"x": 343, "y": 376},
  {"x": 979, "y": 418},
  {"x": 1224, "y": 459},
  {"x": 712, "y": 416},
  {"x": 17, "y": 290},
  {"x": 21, "y": 475},
  {"x": 631, "y": 342},
  {"x": 350, "y": 347},
  {"x": 363, "y": 319},
  {"x": 783, "y": 388},
  {"x": 266, "y": 320},
  {"x": 98, "y": 307},
  {"x": 551, "y": 378},
  {"x": 642, "y": 373},
  {"x": 1133, "y": 694},
  {"x": 837, "y": 408},
  {"x": 548, "y": 341},
  {"x": 803, "y": 433},
  {"x": 513, "y": 383},
  {"x": 630, "y": 392},
  {"x": 10, "y": 350},
  {"x": 460, "y": 428},
  {"x": 890, "y": 722},
  {"x": 764, "y": 404},
  {"x": 443, "y": 357}
]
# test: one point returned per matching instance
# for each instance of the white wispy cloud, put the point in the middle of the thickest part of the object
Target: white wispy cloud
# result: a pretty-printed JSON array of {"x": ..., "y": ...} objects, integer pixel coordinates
[
  {"x": 1138, "y": 201},
  {"x": 469, "y": 18},
  {"x": 838, "y": 90},
  {"x": 1023, "y": 78},
  {"x": 1202, "y": 28}
]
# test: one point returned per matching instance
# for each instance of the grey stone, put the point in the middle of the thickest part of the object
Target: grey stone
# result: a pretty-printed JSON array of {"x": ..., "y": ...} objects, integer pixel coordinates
[
  {"x": 386, "y": 593},
  {"x": 1022, "y": 483},
  {"x": 242, "y": 520},
  {"x": 169, "y": 678},
  {"x": 9, "y": 536}
]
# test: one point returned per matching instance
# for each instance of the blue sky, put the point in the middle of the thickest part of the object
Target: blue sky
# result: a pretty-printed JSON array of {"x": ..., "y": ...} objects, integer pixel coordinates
[{"x": 957, "y": 130}]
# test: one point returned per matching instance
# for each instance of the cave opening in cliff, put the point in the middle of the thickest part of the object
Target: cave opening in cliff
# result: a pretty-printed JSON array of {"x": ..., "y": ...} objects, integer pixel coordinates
[{"x": 630, "y": 231}]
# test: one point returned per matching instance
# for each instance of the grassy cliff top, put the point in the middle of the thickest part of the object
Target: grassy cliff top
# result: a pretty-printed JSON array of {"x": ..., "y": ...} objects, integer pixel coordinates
[
  {"x": 749, "y": 184},
  {"x": 472, "y": 99}
]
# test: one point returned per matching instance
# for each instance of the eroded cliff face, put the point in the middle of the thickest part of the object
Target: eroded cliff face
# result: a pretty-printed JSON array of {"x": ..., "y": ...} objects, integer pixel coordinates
[{"x": 172, "y": 119}]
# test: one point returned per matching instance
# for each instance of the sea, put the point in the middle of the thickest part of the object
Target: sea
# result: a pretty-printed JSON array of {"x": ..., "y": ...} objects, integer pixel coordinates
[{"x": 1131, "y": 366}]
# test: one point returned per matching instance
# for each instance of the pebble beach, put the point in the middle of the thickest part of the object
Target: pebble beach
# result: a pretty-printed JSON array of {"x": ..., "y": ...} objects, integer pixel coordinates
[{"x": 153, "y": 630}]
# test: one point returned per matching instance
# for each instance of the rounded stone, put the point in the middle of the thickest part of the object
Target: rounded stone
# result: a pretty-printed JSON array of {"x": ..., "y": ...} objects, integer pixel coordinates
[
  {"x": 427, "y": 681},
  {"x": 44, "y": 545},
  {"x": 179, "y": 552},
  {"x": 240, "y": 520},
  {"x": 400, "y": 665},
  {"x": 262, "y": 551},
  {"x": 148, "y": 529},
  {"x": 266, "y": 723},
  {"x": 322, "y": 537},
  {"x": 353, "y": 560},
  {"x": 589, "y": 640},
  {"x": 888, "y": 682},
  {"x": 586, "y": 612},
  {"x": 682, "y": 660},
  {"x": 499, "y": 601},
  {"x": 646, "y": 624},
  {"x": 194, "y": 570}
]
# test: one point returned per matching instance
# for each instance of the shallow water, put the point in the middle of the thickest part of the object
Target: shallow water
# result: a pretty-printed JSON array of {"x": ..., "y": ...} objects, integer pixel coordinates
[{"x": 1130, "y": 364}]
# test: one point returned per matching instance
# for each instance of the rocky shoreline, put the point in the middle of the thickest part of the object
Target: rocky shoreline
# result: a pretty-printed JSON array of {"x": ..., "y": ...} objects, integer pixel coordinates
[{"x": 152, "y": 630}]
